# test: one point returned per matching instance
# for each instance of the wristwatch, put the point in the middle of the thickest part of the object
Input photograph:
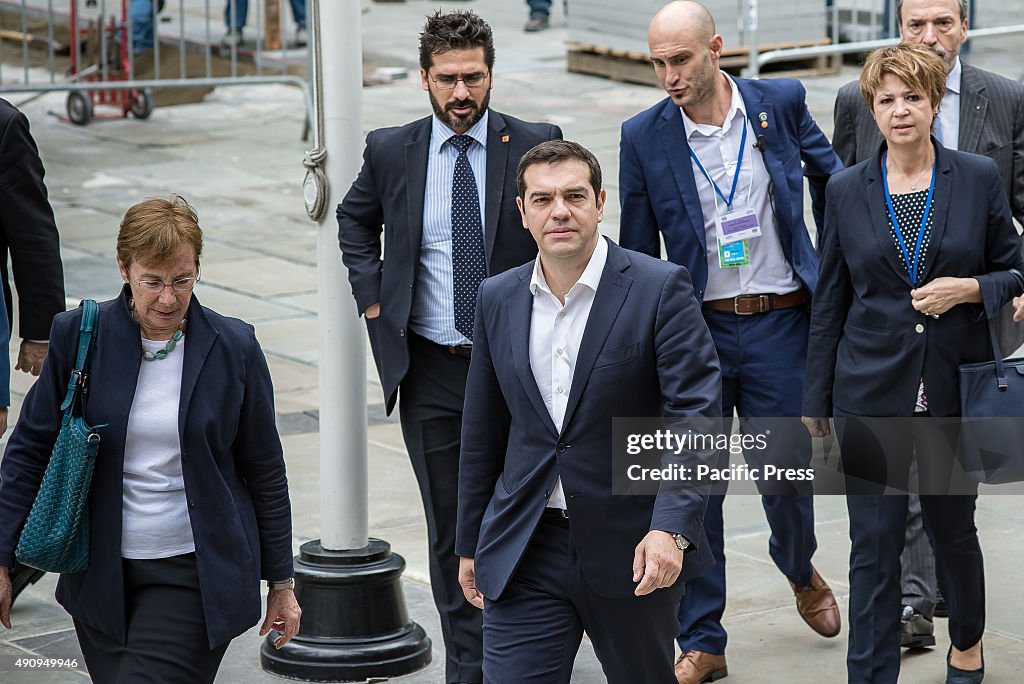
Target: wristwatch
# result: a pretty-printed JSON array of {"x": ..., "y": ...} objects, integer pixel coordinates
[
  {"x": 682, "y": 543},
  {"x": 289, "y": 583}
]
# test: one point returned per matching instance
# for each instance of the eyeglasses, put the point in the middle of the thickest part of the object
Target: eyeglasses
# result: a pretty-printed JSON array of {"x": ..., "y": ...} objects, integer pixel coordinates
[
  {"x": 154, "y": 286},
  {"x": 448, "y": 82}
]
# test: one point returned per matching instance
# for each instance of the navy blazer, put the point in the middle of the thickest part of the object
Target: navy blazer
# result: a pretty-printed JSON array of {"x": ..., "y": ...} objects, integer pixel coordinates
[
  {"x": 657, "y": 191},
  {"x": 27, "y": 230},
  {"x": 645, "y": 352},
  {"x": 231, "y": 459},
  {"x": 868, "y": 347},
  {"x": 389, "y": 193}
]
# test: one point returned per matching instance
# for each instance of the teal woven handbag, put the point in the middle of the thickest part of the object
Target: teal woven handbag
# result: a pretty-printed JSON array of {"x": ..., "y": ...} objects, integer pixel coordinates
[{"x": 56, "y": 535}]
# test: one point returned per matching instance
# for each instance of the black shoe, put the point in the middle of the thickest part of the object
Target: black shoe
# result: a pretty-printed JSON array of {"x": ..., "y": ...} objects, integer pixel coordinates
[
  {"x": 954, "y": 675},
  {"x": 941, "y": 608},
  {"x": 22, "y": 576},
  {"x": 916, "y": 631}
]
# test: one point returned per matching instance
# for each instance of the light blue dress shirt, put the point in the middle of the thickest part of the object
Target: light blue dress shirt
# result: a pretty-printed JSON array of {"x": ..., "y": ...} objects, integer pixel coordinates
[{"x": 433, "y": 305}]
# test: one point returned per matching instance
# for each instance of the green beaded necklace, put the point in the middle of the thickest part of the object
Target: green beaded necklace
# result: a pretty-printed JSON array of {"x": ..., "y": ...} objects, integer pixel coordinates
[
  {"x": 168, "y": 348},
  {"x": 171, "y": 343}
]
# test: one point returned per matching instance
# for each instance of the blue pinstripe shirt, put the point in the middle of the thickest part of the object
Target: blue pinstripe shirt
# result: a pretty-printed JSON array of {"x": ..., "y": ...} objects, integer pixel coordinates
[{"x": 433, "y": 304}]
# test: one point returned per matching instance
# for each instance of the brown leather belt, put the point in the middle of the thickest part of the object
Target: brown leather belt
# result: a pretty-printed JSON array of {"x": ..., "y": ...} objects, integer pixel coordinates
[
  {"x": 748, "y": 305},
  {"x": 463, "y": 351}
]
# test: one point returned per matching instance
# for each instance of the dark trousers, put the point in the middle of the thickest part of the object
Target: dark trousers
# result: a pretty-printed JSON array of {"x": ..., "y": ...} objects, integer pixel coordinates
[
  {"x": 762, "y": 359},
  {"x": 920, "y": 586},
  {"x": 532, "y": 633},
  {"x": 430, "y": 407},
  {"x": 876, "y": 452},
  {"x": 167, "y": 640}
]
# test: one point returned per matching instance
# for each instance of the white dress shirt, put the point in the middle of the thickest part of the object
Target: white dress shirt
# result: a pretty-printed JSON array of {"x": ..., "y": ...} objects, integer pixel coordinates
[
  {"x": 718, "y": 150},
  {"x": 948, "y": 121},
  {"x": 556, "y": 331}
]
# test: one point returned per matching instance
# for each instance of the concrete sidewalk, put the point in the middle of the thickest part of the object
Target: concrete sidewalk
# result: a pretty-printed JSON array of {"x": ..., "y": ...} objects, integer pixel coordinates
[{"x": 237, "y": 158}]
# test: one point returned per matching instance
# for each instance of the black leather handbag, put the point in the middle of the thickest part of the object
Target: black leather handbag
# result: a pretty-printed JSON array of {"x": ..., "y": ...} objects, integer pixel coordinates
[{"x": 992, "y": 414}]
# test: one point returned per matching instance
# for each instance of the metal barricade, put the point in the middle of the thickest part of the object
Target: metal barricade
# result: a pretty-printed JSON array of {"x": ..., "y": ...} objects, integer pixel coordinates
[
  {"x": 115, "y": 52},
  {"x": 859, "y": 26}
]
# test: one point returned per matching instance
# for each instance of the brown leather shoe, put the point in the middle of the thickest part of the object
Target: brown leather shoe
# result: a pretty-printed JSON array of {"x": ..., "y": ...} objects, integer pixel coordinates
[
  {"x": 697, "y": 667},
  {"x": 817, "y": 606}
]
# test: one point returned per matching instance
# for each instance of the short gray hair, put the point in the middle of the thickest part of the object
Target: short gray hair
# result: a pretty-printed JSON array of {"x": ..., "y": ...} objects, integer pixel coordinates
[{"x": 899, "y": 11}]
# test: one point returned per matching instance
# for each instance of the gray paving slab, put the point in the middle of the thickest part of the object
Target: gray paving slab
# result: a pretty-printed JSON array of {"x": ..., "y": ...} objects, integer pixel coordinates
[{"x": 237, "y": 157}]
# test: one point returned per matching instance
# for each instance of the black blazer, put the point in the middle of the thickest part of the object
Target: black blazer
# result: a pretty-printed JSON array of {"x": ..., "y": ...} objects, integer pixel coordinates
[
  {"x": 991, "y": 124},
  {"x": 868, "y": 347},
  {"x": 388, "y": 194},
  {"x": 27, "y": 229},
  {"x": 230, "y": 452},
  {"x": 646, "y": 352}
]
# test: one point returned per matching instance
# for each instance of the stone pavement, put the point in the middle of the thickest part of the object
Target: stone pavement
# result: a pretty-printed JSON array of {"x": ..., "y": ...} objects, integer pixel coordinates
[{"x": 237, "y": 158}]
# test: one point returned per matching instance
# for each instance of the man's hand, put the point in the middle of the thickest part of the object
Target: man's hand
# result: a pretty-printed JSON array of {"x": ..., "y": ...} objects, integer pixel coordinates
[
  {"x": 657, "y": 562},
  {"x": 818, "y": 427},
  {"x": 6, "y": 591},
  {"x": 372, "y": 311},
  {"x": 1018, "y": 308},
  {"x": 31, "y": 355},
  {"x": 467, "y": 579},
  {"x": 283, "y": 615}
]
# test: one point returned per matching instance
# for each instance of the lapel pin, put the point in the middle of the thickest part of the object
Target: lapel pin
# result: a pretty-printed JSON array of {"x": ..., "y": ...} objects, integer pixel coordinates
[
  {"x": 763, "y": 118},
  {"x": 504, "y": 138}
]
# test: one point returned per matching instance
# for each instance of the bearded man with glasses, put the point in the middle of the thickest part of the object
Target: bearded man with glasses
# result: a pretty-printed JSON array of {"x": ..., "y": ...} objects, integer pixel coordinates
[{"x": 442, "y": 189}]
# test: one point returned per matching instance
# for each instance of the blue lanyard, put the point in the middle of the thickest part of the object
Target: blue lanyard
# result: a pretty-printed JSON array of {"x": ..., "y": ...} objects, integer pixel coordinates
[
  {"x": 896, "y": 224},
  {"x": 736, "y": 176}
]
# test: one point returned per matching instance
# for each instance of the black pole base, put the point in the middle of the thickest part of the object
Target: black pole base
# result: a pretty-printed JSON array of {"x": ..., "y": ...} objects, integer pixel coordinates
[{"x": 355, "y": 625}]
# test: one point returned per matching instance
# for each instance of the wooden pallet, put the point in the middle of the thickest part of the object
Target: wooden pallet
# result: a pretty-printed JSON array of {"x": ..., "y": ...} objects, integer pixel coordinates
[{"x": 635, "y": 67}]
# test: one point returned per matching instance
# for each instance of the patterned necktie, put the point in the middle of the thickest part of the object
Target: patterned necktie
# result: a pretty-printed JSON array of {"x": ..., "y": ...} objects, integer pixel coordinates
[{"x": 469, "y": 266}]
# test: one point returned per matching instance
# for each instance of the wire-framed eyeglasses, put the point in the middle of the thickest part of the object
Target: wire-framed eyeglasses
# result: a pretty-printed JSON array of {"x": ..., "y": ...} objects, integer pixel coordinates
[
  {"x": 156, "y": 286},
  {"x": 449, "y": 81}
]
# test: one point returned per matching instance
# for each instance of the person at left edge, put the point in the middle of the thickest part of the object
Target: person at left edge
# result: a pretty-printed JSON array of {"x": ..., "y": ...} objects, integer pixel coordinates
[
  {"x": 30, "y": 248},
  {"x": 719, "y": 148},
  {"x": 443, "y": 190},
  {"x": 585, "y": 333},
  {"x": 189, "y": 504},
  {"x": 29, "y": 233}
]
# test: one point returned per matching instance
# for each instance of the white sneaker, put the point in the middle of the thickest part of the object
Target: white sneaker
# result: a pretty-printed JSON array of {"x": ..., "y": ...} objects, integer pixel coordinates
[{"x": 300, "y": 36}]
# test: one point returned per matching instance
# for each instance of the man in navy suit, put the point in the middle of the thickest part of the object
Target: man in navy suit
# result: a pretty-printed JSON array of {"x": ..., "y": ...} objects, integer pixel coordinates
[
  {"x": 715, "y": 168},
  {"x": 442, "y": 190},
  {"x": 586, "y": 332}
]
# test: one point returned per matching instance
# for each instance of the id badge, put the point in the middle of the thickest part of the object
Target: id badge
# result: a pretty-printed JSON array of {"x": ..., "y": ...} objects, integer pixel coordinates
[
  {"x": 733, "y": 254},
  {"x": 737, "y": 225}
]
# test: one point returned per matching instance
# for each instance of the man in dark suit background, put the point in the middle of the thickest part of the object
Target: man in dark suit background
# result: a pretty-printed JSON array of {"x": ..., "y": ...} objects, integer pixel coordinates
[
  {"x": 29, "y": 233},
  {"x": 586, "y": 333},
  {"x": 443, "y": 190},
  {"x": 28, "y": 236},
  {"x": 982, "y": 113},
  {"x": 700, "y": 167}
]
